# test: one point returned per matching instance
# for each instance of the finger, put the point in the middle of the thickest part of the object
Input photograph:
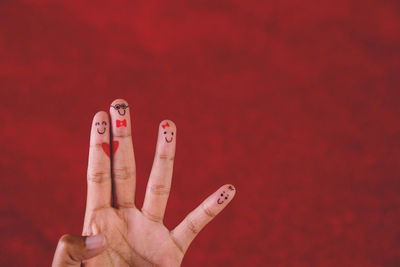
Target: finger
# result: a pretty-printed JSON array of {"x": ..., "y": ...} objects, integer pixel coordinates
[
  {"x": 159, "y": 184},
  {"x": 187, "y": 230},
  {"x": 72, "y": 250},
  {"x": 99, "y": 169},
  {"x": 123, "y": 160}
]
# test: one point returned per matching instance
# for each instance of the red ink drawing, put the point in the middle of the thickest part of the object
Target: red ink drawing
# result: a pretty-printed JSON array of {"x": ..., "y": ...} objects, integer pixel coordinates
[
  {"x": 166, "y": 132},
  {"x": 106, "y": 147},
  {"x": 121, "y": 123}
]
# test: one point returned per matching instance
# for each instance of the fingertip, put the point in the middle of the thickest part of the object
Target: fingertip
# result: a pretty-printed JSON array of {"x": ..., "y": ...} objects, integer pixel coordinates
[
  {"x": 167, "y": 123},
  {"x": 166, "y": 138},
  {"x": 167, "y": 127},
  {"x": 100, "y": 128},
  {"x": 230, "y": 187},
  {"x": 224, "y": 195},
  {"x": 120, "y": 117},
  {"x": 118, "y": 101},
  {"x": 100, "y": 115}
]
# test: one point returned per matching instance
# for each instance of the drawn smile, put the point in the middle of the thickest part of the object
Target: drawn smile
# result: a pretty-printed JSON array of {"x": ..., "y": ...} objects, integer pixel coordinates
[
  {"x": 121, "y": 108},
  {"x": 166, "y": 132},
  {"x": 102, "y": 131},
  {"x": 121, "y": 112},
  {"x": 98, "y": 125},
  {"x": 223, "y": 195}
]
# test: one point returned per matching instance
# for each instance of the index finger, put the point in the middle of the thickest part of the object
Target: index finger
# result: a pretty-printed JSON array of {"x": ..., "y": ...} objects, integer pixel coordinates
[{"x": 99, "y": 170}]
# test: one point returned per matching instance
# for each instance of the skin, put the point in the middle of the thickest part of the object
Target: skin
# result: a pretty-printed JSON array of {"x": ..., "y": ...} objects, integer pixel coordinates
[
  {"x": 134, "y": 236},
  {"x": 101, "y": 128}
]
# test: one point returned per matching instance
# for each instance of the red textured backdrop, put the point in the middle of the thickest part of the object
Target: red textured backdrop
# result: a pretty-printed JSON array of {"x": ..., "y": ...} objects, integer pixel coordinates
[{"x": 294, "y": 102}]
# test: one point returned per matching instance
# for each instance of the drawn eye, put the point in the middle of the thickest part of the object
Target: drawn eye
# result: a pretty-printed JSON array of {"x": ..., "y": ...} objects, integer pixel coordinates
[
  {"x": 172, "y": 133},
  {"x": 165, "y": 132},
  {"x": 222, "y": 195},
  {"x": 123, "y": 106},
  {"x": 104, "y": 123},
  {"x": 97, "y": 123},
  {"x": 226, "y": 197},
  {"x": 117, "y": 106}
]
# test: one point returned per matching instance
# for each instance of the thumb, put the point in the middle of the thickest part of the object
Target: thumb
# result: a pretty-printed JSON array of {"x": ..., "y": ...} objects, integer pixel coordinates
[{"x": 72, "y": 250}]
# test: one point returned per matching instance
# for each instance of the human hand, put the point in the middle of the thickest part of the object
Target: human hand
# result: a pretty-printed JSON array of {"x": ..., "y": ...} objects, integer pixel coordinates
[{"x": 137, "y": 237}]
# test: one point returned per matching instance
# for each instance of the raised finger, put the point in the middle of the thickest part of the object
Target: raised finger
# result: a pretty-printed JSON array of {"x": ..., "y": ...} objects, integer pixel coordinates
[
  {"x": 187, "y": 230},
  {"x": 159, "y": 184},
  {"x": 99, "y": 171},
  {"x": 123, "y": 159}
]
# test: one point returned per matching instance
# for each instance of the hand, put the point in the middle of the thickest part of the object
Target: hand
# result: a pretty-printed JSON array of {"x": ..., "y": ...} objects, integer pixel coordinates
[{"x": 137, "y": 237}]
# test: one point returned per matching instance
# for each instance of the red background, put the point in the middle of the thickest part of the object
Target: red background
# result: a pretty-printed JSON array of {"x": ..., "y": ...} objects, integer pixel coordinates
[{"x": 294, "y": 102}]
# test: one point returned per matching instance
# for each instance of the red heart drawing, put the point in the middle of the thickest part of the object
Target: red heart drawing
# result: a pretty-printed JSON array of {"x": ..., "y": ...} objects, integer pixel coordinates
[{"x": 106, "y": 147}]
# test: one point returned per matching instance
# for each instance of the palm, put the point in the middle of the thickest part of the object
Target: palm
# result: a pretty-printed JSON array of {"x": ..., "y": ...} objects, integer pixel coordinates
[
  {"x": 134, "y": 240},
  {"x": 137, "y": 237}
]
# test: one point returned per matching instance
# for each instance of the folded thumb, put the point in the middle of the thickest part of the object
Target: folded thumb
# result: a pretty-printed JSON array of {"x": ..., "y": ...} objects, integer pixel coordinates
[{"x": 72, "y": 250}]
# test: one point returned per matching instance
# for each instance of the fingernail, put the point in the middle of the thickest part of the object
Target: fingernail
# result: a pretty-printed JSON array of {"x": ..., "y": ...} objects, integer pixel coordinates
[{"x": 95, "y": 241}]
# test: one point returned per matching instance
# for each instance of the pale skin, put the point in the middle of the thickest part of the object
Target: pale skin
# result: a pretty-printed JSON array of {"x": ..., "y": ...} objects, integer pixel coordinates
[{"x": 134, "y": 236}]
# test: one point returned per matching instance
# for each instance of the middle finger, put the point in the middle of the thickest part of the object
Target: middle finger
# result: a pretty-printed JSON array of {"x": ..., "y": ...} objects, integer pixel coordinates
[{"x": 123, "y": 160}]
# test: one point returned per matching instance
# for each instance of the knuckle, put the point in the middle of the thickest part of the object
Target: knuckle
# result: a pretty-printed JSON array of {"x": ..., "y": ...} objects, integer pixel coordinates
[
  {"x": 166, "y": 157},
  {"x": 98, "y": 176},
  {"x": 152, "y": 217},
  {"x": 160, "y": 189},
  {"x": 72, "y": 247},
  {"x": 192, "y": 226},
  {"x": 97, "y": 146},
  {"x": 65, "y": 241},
  {"x": 123, "y": 135},
  {"x": 207, "y": 211},
  {"x": 123, "y": 173}
]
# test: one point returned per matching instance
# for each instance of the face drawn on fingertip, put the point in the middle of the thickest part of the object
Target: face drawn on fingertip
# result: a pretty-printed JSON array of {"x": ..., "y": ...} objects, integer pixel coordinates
[
  {"x": 224, "y": 194},
  {"x": 101, "y": 126},
  {"x": 120, "y": 117},
  {"x": 168, "y": 131},
  {"x": 222, "y": 197},
  {"x": 120, "y": 107}
]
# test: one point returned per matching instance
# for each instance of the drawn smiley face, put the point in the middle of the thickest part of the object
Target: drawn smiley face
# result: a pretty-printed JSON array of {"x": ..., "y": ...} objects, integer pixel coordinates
[
  {"x": 168, "y": 133},
  {"x": 101, "y": 127},
  {"x": 222, "y": 197},
  {"x": 121, "y": 108},
  {"x": 171, "y": 136}
]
